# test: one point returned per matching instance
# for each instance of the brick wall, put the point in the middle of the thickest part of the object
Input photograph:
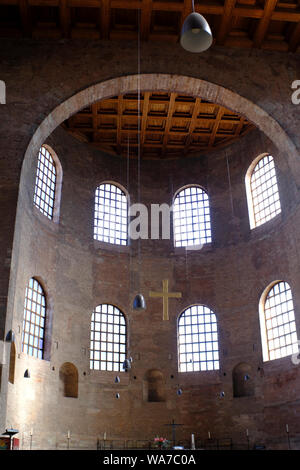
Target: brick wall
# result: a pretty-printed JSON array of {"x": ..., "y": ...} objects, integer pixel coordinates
[{"x": 228, "y": 276}]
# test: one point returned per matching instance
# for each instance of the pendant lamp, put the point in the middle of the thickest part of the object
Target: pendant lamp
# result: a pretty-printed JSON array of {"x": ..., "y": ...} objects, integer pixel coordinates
[
  {"x": 196, "y": 34},
  {"x": 139, "y": 302}
]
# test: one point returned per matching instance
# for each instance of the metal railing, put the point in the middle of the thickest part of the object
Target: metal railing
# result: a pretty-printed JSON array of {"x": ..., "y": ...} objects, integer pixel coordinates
[{"x": 132, "y": 444}]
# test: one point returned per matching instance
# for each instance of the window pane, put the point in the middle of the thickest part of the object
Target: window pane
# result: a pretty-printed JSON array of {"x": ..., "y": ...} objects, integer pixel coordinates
[
  {"x": 280, "y": 322},
  {"x": 34, "y": 314},
  {"x": 44, "y": 193},
  {"x": 111, "y": 215},
  {"x": 191, "y": 217},
  {"x": 264, "y": 191},
  {"x": 202, "y": 346},
  {"x": 107, "y": 354}
]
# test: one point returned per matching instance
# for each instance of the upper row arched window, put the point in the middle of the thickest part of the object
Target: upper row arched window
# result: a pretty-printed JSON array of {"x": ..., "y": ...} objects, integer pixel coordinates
[
  {"x": 262, "y": 191},
  {"x": 48, "y": 181},
  {"x": 45, "y": 183},
  {"x": 191, "y": 208},
  {"x": 191, "y": 217},
  {"x": 111, "y": 214}
]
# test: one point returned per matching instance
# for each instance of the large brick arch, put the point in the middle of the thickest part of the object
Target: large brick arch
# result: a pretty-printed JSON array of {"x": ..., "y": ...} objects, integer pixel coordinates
[{"x": 174, "y": 83}]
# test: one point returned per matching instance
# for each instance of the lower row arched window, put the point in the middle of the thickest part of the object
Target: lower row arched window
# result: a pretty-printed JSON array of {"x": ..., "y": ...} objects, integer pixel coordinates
[
  {"x": 198, "y": 344},
  {"x": 34, "y": 320},
  {"x": 198, "y": 348},
  {"x": 277, "y": 322},
  {"x": 108, "y": 338}
]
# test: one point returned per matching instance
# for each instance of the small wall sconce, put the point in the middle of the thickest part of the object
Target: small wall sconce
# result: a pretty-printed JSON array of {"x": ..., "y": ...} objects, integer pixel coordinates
[{"x": 10, "y": 337}]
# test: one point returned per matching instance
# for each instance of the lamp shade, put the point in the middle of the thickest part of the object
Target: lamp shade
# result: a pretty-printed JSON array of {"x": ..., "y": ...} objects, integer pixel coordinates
[
  {"x": 127, "y": 365},
  {"x": 10, "y": 337},
  {"x": 196, "y": 34},
  {"x": 139, "y": 302}
]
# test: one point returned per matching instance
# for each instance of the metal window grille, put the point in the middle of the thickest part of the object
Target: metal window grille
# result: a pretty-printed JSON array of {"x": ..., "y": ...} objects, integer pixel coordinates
[
  {"x": 34, "y": 320},
  {"x": 198, "y": 348},
  {"x": 108, "y": 338},
  {"x": 191, "y": 217},
  {"x": 264, "y": 191},
  {"x": 44, "y": 193},
  {"x": 111, "y": 215},
  {"x": 280, "y": 322}
]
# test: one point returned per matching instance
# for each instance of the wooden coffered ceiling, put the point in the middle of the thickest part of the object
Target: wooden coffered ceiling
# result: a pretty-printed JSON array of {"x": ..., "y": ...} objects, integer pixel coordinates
[
  {"x": 162, "y": 125},
  {"x": 267, "y": 24}
]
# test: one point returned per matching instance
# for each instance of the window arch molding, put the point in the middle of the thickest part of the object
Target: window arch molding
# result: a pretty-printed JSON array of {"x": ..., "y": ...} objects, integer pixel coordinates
[
  {"x": 262, "y": 319},
  {"x": 125, "y": 219},
  {"x": 203, "y": 342},
  {"x": 98, "y": 326},
  {"x": 58, "y": 183},
  {"x": 248, "y": 179},
  {"x": 206, "y": 236}
]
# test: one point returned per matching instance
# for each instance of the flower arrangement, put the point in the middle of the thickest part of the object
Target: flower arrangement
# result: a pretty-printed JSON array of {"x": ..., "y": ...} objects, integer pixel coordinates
[{"x": 161, "y": 442}]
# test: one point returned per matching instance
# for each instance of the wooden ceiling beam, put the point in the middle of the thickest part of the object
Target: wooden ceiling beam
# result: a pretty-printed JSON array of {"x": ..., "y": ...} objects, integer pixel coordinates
[
  {"x": 186, "y": 10},
  {"x": 293, "y": 17},
  {"x": 193, "y": 124},
  {"x": 239, "y": 127},
  {"x": 169, "y": 120},
  {"x": 105, "y": 18},
  {"x": 9, "y": 2},
  {"x": 25, "y": 18},
  {"x": 264, "y": 22},
  {"x": 246, "y": 12},
  {"x": 65, "y": 18},
  {"x": 92, "y": 130},
  {"x": 216, "y": 126},
  {"x": 95, "y": 117},
  {"x": 146, "y": 14},
  {"x": 127, "y": 4},
  {"x": 43, "y": 3},
  {"x": 85, "y": 3},
  {"x": 120, "y": 111},
  {"x": 128, "y": 117},
  {"x": 144, "y": 116},
  {"x": 169, "y": 135},
  {"x": 226, "y": 21},
  {"x": 294, "y": 41},
  {"x": 288, "y": 12}
]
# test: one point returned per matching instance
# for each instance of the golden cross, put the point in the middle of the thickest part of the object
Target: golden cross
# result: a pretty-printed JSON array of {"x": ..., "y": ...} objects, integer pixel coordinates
[{"x": 165, "y": 295}]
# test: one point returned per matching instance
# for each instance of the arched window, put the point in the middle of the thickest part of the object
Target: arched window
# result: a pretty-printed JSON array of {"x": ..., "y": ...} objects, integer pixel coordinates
[
  {"x": 34, "y": 320},
  {"x": 262, "y": 191},
  {"x": 198, "y": 347},
  {"x": 191, "y": 217},
  {"x": 277, "y": 322},
  {"x": 108, "y": 338},
  {"x": 45, "y": 182},
  {"x": 111, "y": 215}
]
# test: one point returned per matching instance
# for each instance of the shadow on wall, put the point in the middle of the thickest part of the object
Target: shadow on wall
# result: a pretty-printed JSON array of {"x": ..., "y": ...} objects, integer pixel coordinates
[
  {"x": 68, "y": 380},
  {"x": 242, "y": 379},
  {"x": 154, "y": 387}
]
